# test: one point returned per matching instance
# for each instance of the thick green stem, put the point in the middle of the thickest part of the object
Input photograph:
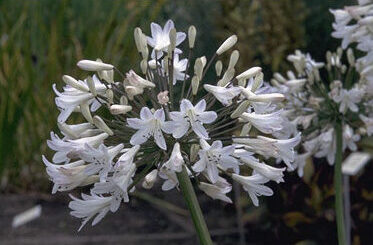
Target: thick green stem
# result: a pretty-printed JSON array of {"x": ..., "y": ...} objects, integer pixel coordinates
[
  {"x": 338, "y": 185},
  {"x": 194, "y": 208}
]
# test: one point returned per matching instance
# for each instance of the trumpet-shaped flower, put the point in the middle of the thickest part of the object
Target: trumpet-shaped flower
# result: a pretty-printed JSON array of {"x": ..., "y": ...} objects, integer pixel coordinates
[
  {"x": 190, "y": 116},
  {"x": 149, "y": 125},
  {"x": 222, "y": 94}
]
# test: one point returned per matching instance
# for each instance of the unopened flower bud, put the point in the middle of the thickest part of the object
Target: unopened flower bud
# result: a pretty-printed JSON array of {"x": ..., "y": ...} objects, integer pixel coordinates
[
  {"x": 150, "y": 179},
  {"x": 195, "y": 84},
  {"x": 172, "y": 35},
  {"x": 279, "y": 77},
  {"x": 90, "y": 65},
  {"x": 194, "y": 149},
  {"x": 84, "y": 109},
  {"x": 120, "y": 109},
  {"x": 138, "y": 39},
  {"x": 110, "y": 95},
  {"x": 198, "y": 68},
  {"x": 107, "y": 75},
  {"x": 163, "y": 98},
  {"x": 227, "y": 77},
  {"x": 229, "y": 43},
  {"x": 218, "y": 67},
  {"x": 233, "y": 59},
  {"x": 132, "y": 91},
  {"x": 74, "y": 83},
  {"x": 245, "y": 129},
  {"x": 192, "y": 36},
  {"x": 258, "y": 81},
  {"x": 67, "y": 131},
  {"x": 98, "y": 122},
  {"x": 152, "y": 64},
  {"x": 249, "y": 73},
  {"x": 144, "y": 66},
  {"x": 241, "y": 108},
  {"x": 91, "y": 85},
  {"x": 123, "y": 100},
  {"x": 350, "y": 57}
]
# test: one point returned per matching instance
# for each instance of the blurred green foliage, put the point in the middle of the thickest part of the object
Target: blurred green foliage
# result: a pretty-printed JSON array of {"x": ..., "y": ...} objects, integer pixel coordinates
[{"x": 40, "y": 40}]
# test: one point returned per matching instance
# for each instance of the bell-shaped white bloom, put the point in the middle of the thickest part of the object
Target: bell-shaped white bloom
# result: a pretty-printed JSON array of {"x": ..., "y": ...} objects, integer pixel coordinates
[
  {"x": 349, "y": 138},
  {"x": 277, "y": 148},
  {"x": 170, "y": 168},
  {"x": 150, "y": 179},
  {"x": 160, "y": 39},
  {"x": 214, "y": 156},
  {"x": 368, "y": 124},
  {"x": 69, "y": 149},
  {"x": 222, "y": 94},
  {"x": 190, "y": 116},
  {"x": 254, "y": 186},
  {"x": 100, "y": 160},
  {"x": 117, "y": 186},
  {"x": 271, "y": 173},
  {"x": 218, "y": 190},
  {"x": 149, "y": 125},
  {"x": 74, "y": 131},
  {"x": 266, "y": 123},
  {"x": 89, "y": 207},
  {"x": 348, "y": 99},
  {"x": 68, "y": 176}
]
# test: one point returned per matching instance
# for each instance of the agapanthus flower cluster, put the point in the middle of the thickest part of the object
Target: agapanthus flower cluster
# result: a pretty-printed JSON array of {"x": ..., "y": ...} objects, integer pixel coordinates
[
  {"x": 320, "y": 94},
  {"x": 149, "y": 127}
]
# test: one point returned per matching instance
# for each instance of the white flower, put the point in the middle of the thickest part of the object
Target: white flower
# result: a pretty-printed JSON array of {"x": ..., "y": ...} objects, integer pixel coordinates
[
  {"x": 149, "y": 125},
  {"x": 222, "y": 94},
  {"x": 90, "y": 65},
  {"x": 100, "y": 160},
  {"x": 126, "y": 159},
  {"x": 213, "y": 156},
  {"x": 74, "y": 131},
  {"x": 266, "y": 123},
  {"x": 190, "y": 116},
  {"x": 89, "y": 207},
  {"x": 299, "y": 163},
  {"x": 150, "y": 179},
  {"x": 68, "y": 176},
  {"x": 368, "y": 123},
  {"x": 275, "y": 174},
  {"x": 170, "y": 168},
  {"x": 254, "y": 186},
  {"x": 280, "y": 149},
  {"x": 348, "y": 99},
  {"x": 160, "y": 39},
  {"x": 217, "y": 190},
  {"x": 178, "y": 69},
  {"x": 66, "y": 150},
  {"x": 349, "y": 138}
]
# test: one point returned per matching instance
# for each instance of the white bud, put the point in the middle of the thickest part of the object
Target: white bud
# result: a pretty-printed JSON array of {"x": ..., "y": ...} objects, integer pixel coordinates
[
  {"x": 198, "y": 68},
  {"x": 245, "y": 129},
  {"x": 150, "y": 179},
  {"x": 273, "y": 97},
  {"x": 194, "y": 149},
  {"x": 227, "y": 77},
  {"x": 91, "y": 85},
  {"x": 233, "y": 59},
  {"x": 120, "y": 109},
  {"x": 144, "y": 44},
  {"x": 109, "y": 95},
  {"x": 138, "y": 39},
  {"x": 132, "y": 91},
  {"x": 74, "y": 83},
  {"x": 90, "y": 65},
  {"x": 67, "y": 130},
  {"x": 368, "y": 20},
  {"x": 144, "y": 66},
  {"x": 241, "y": 108},
  {"x": 84, "y": 109},
  {"x": 163, "y": 97},
  {"x": 350, "y": 57},
  {"x": 195, "y": 84},
  {"x": 192, "y": 36},
  {"x": 258, "y": 81},
  {"x": 98, "y": 122},
  {"x": 152, "y": 64},
  {"x": 172, "y": 35},
  {"x": 242, "y": 82},
  {"x": 279, "y": 77},
  {"x": 107, "y": 75},
  {"x": 218, "y": 67},
  {"x": 249, "y": 73},
  {"x": 232, "y": 40},
  {"x": 123, "y": 100}
]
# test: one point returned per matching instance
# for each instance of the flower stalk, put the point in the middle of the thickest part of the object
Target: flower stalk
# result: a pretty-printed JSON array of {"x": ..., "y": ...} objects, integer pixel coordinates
[
  {"x": 194, "y": 208},
  {"x": 338, "y": 185}
]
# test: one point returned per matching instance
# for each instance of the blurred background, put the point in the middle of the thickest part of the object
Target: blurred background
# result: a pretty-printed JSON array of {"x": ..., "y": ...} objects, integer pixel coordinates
[{"x": 42, "y": 40}]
